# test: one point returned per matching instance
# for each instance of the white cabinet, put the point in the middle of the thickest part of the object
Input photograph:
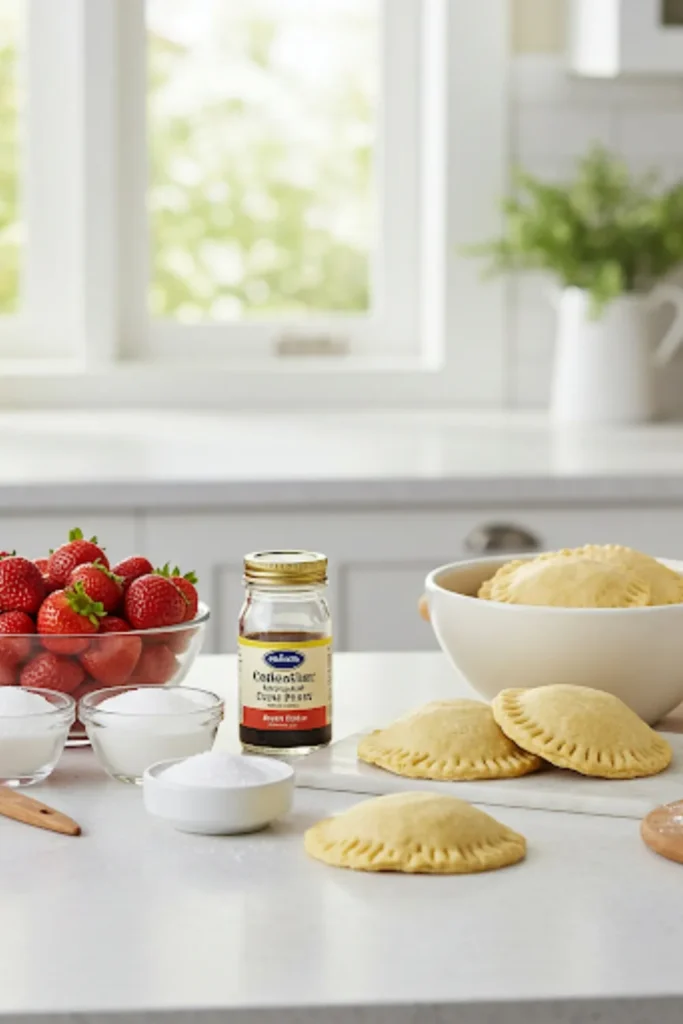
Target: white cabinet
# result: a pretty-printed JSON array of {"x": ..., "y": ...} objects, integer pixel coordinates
[{"x": 378, "y": 559}]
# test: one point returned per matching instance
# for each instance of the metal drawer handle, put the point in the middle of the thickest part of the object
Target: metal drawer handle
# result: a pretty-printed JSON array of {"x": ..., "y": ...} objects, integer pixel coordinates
[{"x": 497, "y": 538}]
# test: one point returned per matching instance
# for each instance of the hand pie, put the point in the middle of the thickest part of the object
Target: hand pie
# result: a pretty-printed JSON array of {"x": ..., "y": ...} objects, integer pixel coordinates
[
  {"x": 666, "y": 586},
  {"x": 589, "y": 731},
  {"x": 450, "y": 739},
  {"x": 569, "y": 582},
  {"x": 415, "y": 832}
]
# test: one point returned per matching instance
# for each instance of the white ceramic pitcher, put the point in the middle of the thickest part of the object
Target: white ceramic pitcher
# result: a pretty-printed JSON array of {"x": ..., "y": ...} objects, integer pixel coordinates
[{"x": 604, "y": 368}]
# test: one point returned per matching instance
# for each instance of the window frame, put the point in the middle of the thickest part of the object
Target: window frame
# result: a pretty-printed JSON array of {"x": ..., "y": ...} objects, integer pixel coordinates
[
  {"x": 67, "y": 313},
  {"x": 456, "y": 352},
  {"x": 391, "y": 327}
]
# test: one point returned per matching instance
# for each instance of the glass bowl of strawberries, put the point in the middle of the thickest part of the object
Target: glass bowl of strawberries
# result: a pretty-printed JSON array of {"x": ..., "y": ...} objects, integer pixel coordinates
[{"x": 74, "y": 623}]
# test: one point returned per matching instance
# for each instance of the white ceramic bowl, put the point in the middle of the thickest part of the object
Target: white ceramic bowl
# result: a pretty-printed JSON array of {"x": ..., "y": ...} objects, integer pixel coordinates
[
  {"x": 220, "y": 810},
  {"x": 635, "y": 653}
]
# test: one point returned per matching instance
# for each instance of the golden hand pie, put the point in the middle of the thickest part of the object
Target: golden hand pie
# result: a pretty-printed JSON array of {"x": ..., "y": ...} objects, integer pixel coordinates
[
  {"x": 415, "y": 833},
  {"x": 589, "y": 731},
  {"x": 666, "y": 586},
  {"x": 569, "y": 582},
  {"x": 449, "y": 739}
]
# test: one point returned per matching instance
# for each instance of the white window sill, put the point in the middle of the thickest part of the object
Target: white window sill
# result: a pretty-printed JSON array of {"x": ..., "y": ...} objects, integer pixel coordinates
[{"x": 344, "y": 383}]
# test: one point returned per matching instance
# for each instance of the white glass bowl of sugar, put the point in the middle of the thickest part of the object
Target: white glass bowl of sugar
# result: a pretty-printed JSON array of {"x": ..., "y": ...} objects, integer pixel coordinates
[
  {"x": 132, "y": 727},
  {"x": 34, "y": 725}
]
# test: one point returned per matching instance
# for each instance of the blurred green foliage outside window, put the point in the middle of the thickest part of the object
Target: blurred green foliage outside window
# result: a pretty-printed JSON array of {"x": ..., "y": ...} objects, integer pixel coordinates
[{"x": 262, "y": 125}]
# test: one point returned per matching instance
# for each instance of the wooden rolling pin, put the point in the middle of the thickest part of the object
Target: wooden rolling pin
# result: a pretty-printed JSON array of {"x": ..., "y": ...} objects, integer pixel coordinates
[{"x": 32, "y": 812}]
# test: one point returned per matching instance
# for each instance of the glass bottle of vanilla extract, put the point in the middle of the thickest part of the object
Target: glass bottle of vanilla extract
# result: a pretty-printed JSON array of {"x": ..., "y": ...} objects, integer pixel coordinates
[{"x": 285, "y": 654}]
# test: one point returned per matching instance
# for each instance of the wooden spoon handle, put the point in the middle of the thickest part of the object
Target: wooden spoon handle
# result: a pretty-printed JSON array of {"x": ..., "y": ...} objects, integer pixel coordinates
[{"x": 32, "y": 812}]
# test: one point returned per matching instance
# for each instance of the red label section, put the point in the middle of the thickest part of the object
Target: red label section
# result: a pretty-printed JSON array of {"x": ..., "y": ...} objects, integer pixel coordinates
[{"x": 283, "y": 721}]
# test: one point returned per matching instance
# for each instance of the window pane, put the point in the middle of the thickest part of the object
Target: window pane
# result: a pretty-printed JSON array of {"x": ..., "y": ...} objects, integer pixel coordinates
[
  {"x": 12, "y": 13},
  {"x": 262, "y": 137}
]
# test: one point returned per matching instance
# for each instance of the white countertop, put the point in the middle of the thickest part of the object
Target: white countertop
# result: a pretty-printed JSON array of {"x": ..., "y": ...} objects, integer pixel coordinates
[
  {"x": 134, "y": 918},
  {"x": 109, "y": 460}
]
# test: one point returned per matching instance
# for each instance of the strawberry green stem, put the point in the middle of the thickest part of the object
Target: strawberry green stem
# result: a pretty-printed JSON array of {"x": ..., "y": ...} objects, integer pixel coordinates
[{"x": 83, "y": 605}]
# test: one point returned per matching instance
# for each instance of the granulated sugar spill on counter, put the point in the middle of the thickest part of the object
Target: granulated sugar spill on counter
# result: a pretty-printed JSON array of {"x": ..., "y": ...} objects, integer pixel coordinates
[{"x": 216, "y": 768}]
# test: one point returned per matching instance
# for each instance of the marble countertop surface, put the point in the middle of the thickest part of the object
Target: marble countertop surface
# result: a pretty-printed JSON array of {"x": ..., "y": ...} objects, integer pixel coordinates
[
  {"x": 141, "y": 459},
  {"x": 134, "y": 922}
]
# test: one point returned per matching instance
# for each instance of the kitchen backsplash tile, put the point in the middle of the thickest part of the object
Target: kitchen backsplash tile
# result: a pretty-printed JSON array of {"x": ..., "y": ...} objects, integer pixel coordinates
[
  {"x": 559, "y": 131},
  {"x": 648, "y": 134},
  {"x": 554, "y": 117}
]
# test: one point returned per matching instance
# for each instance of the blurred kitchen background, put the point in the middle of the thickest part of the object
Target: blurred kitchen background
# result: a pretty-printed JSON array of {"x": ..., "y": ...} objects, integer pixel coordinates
[
  {"x": 239, "y": 308},
  {"x": 556, "y": 115}
]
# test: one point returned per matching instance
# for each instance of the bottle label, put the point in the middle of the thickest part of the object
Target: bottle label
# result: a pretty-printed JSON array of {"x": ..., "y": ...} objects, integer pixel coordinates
[{"x": 285, "y": 687}]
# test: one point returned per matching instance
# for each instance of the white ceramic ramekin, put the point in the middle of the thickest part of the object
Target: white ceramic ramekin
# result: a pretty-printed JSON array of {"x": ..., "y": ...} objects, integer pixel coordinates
[{"x": 220, "y": 810}]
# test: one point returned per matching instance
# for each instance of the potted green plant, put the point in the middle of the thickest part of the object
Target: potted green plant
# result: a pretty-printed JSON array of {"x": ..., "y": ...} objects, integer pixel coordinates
[{"x": 609, "y": 238}]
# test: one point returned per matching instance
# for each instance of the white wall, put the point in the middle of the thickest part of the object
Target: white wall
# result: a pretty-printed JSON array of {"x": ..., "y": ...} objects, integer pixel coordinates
[{"x": 554, "y": 118}]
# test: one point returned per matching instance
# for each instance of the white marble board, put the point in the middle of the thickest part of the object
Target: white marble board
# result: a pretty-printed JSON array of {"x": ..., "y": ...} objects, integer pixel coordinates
[{"x": 337, "y": 768}]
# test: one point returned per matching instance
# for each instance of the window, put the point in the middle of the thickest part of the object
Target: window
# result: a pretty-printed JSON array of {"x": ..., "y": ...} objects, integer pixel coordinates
[
  {"x": 215, "y": 189},
  {"x": 275, "y": 213},
  {"x": 41, "y": 287},
  {"x": 263, "y": 141},
  {"x": 11, "y": 39}
]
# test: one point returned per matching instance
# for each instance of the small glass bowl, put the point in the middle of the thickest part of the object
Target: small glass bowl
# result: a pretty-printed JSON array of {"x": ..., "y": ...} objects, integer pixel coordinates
[
  {"x": 31, "y": 745},
  {"x": 127, "y": 743}
]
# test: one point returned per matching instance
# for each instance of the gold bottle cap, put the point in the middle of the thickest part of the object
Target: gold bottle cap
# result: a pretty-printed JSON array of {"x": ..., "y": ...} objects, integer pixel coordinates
[{"x": 293, "y": 568}]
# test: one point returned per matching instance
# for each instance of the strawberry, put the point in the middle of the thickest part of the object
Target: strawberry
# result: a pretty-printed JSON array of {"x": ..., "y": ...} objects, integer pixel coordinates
[
  {"x": 110, "y": 661},
  {"x": 131, "y": 568},
  {"x": 153, "y": 602},
  {"x": 99, "y": 583},
  {"x": 16, "y": 646},
  {"x": 75, "y": 552},
  {"x": 51, "y": 672},
  {"x": 7, "y": 672},
  {"x": 186, "y": 584},
  {"x": 87, "y": 686},
  {"x": 156, "y": 665},
  {"x": 113, "y": 624},
  {"x": 21, "y": 585},
  {"x": 70, "y": 612},
  {"x": 50, "y": 583}
]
